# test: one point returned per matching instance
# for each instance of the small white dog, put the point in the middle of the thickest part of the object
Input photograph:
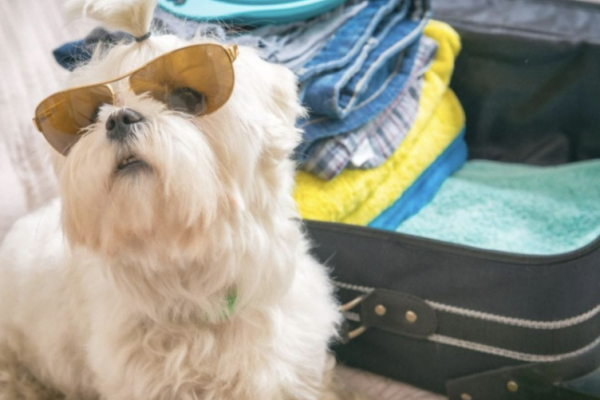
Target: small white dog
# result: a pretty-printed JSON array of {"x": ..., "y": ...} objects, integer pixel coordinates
[{"x": 183, "y": 272}]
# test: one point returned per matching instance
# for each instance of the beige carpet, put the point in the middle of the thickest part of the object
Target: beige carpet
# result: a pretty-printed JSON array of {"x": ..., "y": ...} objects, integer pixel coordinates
[{"x": 29, "y": 30}]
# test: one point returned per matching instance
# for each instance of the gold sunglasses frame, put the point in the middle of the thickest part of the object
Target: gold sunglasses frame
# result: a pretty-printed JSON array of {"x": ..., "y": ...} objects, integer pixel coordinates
[{"x": 231, "y": 51}]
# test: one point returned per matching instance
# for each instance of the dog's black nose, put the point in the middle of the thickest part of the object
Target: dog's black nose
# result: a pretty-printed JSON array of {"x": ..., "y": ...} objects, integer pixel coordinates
[{"x": 119, "y": 124}]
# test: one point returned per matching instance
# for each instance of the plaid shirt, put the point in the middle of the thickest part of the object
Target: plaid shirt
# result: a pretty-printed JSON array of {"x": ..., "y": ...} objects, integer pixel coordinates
[{"x": 373, "y": 143}]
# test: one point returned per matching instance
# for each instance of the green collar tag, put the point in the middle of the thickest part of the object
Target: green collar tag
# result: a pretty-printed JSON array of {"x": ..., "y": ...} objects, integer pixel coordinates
[{"x": 231, "y": 299}]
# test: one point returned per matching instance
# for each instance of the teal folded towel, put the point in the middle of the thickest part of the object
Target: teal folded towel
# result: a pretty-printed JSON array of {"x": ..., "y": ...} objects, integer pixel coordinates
[
  {"x": 420, "y": 193},
  {"x": 515, "y": 208}
]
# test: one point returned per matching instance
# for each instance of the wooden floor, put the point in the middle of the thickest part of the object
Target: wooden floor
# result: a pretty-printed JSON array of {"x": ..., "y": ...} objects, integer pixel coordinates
[{"x": 29, "y": 30}]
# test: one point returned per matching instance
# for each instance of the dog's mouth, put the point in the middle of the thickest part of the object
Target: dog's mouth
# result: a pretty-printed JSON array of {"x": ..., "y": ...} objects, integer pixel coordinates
[{"x": 130, "y": 163}]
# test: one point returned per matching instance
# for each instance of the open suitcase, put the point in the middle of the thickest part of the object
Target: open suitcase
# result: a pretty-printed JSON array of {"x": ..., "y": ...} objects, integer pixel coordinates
[{"x": 478, "y": 324}]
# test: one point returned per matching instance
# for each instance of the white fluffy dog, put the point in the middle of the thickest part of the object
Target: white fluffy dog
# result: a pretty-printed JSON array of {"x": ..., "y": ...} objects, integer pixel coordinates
[{"x": 127, "y": 296}]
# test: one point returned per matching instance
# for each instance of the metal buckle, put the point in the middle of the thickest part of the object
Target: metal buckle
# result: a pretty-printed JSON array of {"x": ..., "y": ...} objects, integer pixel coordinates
[{"x": 349, "y": 306}]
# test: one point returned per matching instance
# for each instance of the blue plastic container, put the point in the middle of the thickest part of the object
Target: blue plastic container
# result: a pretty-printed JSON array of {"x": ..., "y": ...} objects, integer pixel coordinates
[{"x": 248, "y": 12}]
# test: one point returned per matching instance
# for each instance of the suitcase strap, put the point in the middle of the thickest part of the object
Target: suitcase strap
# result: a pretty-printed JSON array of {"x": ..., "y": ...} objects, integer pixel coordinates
[
  {"x": 517, "y": 339},
  {"x": 395, "y": 312},
  {"x": 548, "y": 376},
  {"x": 547, "y": 381}
]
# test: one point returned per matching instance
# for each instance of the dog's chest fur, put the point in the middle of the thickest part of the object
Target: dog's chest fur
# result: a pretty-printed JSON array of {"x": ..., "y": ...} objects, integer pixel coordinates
[{"x": 75, "y": 333}]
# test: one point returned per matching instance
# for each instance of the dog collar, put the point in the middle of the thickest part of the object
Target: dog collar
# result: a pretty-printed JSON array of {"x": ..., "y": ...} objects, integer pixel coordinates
[{"x": 231, "y": 300}]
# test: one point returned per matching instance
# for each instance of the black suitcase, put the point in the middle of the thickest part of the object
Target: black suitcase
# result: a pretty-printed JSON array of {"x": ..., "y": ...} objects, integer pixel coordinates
[{"x": 478, "y": 324}]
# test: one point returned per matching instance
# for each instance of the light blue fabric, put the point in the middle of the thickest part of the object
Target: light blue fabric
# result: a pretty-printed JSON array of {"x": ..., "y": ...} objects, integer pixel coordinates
[
  {"x": 294, "y": 45},
  {"x": 420, "y": 193},
  {"x": 515, "y": 208}
]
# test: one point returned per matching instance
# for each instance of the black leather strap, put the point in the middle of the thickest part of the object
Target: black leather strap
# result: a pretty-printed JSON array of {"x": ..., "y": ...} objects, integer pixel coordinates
[
  {"x": 528, "y": 341},
  {"x": 399, "y": 313},
  {"x": 547, "y": 381}
]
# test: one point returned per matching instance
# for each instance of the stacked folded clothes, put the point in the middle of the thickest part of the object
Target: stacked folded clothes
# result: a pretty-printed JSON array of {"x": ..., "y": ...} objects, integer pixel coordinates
[
  {"x": 383, "y": 130},
  {"x": 433, "y": 148}
]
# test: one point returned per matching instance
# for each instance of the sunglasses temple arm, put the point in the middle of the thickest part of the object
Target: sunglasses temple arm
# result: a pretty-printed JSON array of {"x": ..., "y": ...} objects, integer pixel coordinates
[
  {"x": 37, "y": 124},
  {"x": 232, "y": 52}
]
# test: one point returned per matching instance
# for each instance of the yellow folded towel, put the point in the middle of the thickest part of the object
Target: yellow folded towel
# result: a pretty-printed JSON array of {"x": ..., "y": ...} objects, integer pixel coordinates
[{"x": 358, "y": 196}]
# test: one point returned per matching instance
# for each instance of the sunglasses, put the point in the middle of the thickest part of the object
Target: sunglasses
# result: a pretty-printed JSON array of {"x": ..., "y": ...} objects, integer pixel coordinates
[{"x": 197, "y": 80}]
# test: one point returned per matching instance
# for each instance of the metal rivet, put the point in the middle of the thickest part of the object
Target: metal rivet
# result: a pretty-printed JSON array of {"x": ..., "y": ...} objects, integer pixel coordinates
[
  {"x": 512, "y": 386},
  {"x": 411, "y": 317},
  {"x": 380, "y": 310},
  {"x": 465, "y": 396}
]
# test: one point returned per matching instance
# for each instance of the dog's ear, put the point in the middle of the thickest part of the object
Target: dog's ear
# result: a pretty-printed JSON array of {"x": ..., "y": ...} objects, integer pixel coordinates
[
  {"x": 285, "y": 94},
  {"x": 283, "y": 138},
  {"x": 131, "y": 16}
]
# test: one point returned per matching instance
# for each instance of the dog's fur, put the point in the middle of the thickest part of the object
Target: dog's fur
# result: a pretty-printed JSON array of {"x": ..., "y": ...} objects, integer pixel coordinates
[{"x": 131, "y": 302}]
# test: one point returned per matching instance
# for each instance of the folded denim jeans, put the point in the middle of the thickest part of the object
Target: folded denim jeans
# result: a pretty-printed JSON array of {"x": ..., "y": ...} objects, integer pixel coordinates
[
  {"x": 341, "y": 101},
  {"x": 372, "y": 144},
  {"x": 349, "y": 39},
  {"x": 354, "y": 48}
]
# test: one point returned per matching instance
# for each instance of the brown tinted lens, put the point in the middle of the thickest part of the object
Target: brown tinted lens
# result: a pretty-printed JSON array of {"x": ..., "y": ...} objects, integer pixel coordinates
[
  {"x": 61, "y": 116},
  {"x": 196, "y": 79}
]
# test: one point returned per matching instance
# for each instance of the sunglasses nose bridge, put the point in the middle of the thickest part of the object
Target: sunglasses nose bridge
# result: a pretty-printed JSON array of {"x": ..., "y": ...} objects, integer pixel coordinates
[{"x": 117, "y": 87}]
